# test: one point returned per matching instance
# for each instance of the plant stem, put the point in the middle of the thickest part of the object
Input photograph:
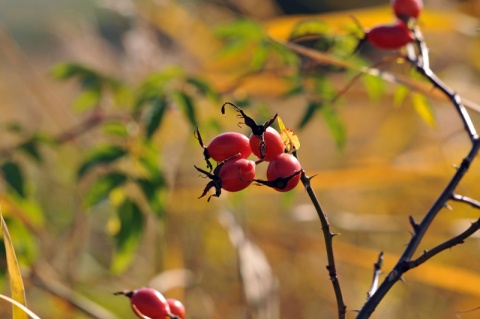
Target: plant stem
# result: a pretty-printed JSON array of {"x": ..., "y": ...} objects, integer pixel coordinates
[
  {"x": 404, "y": 263},
  {"x": 328, "y": 236}
]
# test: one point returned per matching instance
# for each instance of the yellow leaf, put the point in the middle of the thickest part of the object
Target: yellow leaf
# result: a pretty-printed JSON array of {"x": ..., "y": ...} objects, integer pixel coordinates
[
  {"x": 290, "y": 139},
  {"x": 16, "y": 282},
  {"x": 423, "y": 109},
  {"x": 19, "y": 305}
]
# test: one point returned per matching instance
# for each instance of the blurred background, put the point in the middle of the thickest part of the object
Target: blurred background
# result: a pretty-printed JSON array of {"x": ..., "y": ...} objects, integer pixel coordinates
[{"x": 379, "y": 155}]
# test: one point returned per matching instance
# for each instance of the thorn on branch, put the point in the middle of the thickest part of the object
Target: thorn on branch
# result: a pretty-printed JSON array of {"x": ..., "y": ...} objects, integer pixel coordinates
[
  {"x": 377, "y": 271},
  {"x": 414, "y": 224}
]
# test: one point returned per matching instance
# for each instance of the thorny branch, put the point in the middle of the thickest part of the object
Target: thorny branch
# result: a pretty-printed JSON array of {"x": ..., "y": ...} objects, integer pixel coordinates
[
  {"x": 405, "y": 263},
  {"x": 328, "y": 236}
]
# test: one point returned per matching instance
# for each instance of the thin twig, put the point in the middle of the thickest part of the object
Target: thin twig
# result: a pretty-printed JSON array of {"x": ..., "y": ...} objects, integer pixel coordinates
[
  {"x": 467, "y": 200},
  {"x": 328, "y": 236},
  {"x": 444, "y": 246},
  {"x": 403, "y": 265},
  {"x": 377, "y": 271},
  {"x": 90, "y": 122}
]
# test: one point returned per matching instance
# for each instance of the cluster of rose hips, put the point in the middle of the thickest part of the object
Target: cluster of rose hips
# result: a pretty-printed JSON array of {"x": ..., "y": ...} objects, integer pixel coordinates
[
  {"x": 148, "y": 303},
  {"x": 231, "y": 150},
  {"x": 397, "y": 35}
]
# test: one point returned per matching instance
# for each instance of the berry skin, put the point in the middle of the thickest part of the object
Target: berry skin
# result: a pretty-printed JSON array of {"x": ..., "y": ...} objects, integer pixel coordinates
[
  {"x": 232, "y": 175},
  {"x": 227, "y": 145},
  {"x": 272, "y": 147},
  {"x": 237, "y": 174},
  {"x": 405, "y": 9},
  {"x": 389, "y": 36},
  {"x": 147, "y": 302},
  {"x": 282, "y": 167},
  {"x": 176, "y": 308}
]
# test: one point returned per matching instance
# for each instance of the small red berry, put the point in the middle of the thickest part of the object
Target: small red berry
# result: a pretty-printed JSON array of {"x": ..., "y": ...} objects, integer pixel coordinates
[
  {"x": 284, "y": 168},
  {"x": 272, "y": 147},
  {"x": 147, "y": 302},
  {"x": 237, "y": 174},
  {"x": 227, "y": 145},
  {"x": 405, "y": 9},
  {"x": 176, "y": 308},
  {"x": 390, "y": 36}
]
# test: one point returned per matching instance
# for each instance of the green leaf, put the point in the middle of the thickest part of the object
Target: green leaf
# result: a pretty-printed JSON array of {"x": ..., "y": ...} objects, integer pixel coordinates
[
  {"x": 309, "y": 27},
  {"x": 87, "y": 99},
  {"x": 187, "y": 105},
  {"x": 335, "y": 125},
  {"x": 203, "y": 87},
  {"x": 64, "y": 71},
  {"x": 115, "y": 129},
  {"x": 127, "y": 238},
  {"x": 16, "y": 281},
  {"x": 102, "y": 187},
  {"x": 12, "y": 174},
  {"x": 14, "y": 127},
  {"x": 30, "y": 147},
  {"x": 374, "y": 85},
  {"x": 154, "y": 191},
  {"x": 259, "y": 58},
  {"x": 312, "y": 107},
  {"x": 242, "y": 28},
  {"x": 424, "y": 109},
  {"x": 400, "y": 94},
  {"x": 104, "y": 155},
  {"x": 154, "y": 117}
]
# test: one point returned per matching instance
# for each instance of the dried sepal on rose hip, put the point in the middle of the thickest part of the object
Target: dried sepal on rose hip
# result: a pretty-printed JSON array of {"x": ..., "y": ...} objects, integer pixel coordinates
[
  {"x": 233, "y": 175},
  {"x": 283, "y": 173},
  {"x": 258, "y": 131},
  {"x": 147, "y": 303},
  {"x": 224, "y": 146}
]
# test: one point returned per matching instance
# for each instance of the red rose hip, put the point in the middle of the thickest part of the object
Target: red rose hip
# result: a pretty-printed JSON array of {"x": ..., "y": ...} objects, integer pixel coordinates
[
  {"x": 284, "y": 166},
  {"x": 228, "y": 144},
  {"x": 176, "y": 308},
  {"x": 405, "y": 9},
  {"x": 273, "y": 146},
  {"x": 237, "y": 174},
  {"x": 389, "y": 36},
  {"x": 147, "y": 302}
]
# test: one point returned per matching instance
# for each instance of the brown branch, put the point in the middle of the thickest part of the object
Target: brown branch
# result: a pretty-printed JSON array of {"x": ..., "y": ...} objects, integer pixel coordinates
[
  {"x": 45, "y": 277},
  {"x": 467, "y": 200},
  {"x": 328, "y": 236},
  {"x": 93, "y": 120},
  {"x": 444, "y": 246},
  {"x": 377, "y": 271},
  {"x": 414, "y": 85}
]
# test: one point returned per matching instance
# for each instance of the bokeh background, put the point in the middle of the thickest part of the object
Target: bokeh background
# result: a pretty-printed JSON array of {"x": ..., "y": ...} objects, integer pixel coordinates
[{"x": 393, "y": 165}]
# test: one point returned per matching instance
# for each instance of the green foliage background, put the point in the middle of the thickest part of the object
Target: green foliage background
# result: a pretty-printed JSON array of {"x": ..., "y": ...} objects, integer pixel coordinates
[{"x": 97, "y": 151}]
